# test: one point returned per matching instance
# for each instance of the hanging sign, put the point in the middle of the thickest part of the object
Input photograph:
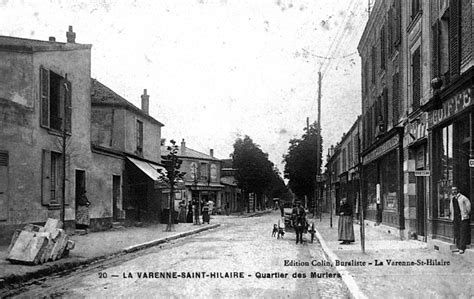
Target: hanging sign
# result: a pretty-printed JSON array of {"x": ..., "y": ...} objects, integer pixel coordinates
[
  {"x": 422, "y": 173},
  {"x": 471, "y": 162}
]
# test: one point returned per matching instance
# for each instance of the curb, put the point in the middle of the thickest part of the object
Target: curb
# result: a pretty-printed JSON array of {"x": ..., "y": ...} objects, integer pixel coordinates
[
  {"x": 9, "y": 282},
  {"x": 346, "y": 276}
]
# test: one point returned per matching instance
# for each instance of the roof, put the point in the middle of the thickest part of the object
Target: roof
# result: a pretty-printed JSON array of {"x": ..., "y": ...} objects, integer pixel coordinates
[
  {"x": 102, "y": 95},
  {"x": 189, "y": 153},
  {"x": 17, "y": 44}
]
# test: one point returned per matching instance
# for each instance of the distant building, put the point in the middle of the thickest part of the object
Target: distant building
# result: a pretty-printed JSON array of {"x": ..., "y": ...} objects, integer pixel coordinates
[
  {"x": 232, "y": 195},
  {"x": 202, "y": 179}
]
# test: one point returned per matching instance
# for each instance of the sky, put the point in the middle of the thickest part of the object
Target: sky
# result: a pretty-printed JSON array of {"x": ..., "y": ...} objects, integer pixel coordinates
[{"x": 217, "y": 70}]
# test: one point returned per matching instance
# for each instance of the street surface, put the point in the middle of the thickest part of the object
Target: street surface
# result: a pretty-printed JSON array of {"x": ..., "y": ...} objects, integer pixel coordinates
[{"x": 239, "y": 259}]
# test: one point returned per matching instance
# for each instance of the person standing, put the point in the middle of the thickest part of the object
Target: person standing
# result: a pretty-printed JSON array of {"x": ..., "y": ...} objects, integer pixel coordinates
[
  {"x": 345, "y": 226},
  {"x": 82, "y": 212},
  {"x": 460, "y": 208},
  {"x": 189, "y": 216},
  {"x": 205, "y": 212},
  {"x": 182, "y": 212}
]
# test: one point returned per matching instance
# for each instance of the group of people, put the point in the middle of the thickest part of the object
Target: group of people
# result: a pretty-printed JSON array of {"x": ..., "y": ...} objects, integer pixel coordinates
[
  {"x": 191, "y": 215},
  {"x": 460, "y": 212}
]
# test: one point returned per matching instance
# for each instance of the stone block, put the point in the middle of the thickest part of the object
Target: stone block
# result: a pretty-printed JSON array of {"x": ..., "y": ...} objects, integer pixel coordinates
[
  {"x": 32, "y": 228},
  {"x": 14, "y": 238},
  {"x": 51, "y": 224},
  {"x": 28, "y": 248},
  {"x": 59, "y": 245}
]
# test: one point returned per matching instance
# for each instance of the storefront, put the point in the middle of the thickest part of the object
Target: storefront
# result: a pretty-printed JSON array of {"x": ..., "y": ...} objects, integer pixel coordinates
[
  {"x": 450, "y": 133},
  {"x": 382, "y": 188}
]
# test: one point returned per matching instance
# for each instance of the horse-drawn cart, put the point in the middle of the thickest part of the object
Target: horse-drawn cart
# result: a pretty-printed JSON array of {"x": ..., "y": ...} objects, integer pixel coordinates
[{"x": 293, "y": 223}]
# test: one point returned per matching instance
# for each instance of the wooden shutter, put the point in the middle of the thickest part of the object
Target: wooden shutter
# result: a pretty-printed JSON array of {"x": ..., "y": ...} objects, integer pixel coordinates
[
  {"x": 436, "y": 49},
  {"x": 3, "y": 185},
  {"x": 44, "y": 97},
  {"x": 454, "y": 38},
  {"x": 385, "y": 109},
  {"x": 390, "y": 31},
  {"x": 395, "y": 98},
  {"x": 46, "y": 178},
  {"x": 68, "y": 108},
  {"x": 382, "y": 47},
  {"x": 416, "y": 78}
]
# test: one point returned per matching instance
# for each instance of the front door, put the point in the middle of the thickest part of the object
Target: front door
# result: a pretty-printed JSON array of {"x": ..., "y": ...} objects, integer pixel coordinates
[
  {"x": 116, "y": 197},
  {"x": 420, "y": 206},
  {"x": 80, "y": 184}
]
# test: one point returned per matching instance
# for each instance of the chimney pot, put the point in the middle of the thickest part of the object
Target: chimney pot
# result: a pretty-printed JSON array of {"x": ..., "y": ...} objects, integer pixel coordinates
[
  {"x": 52, "y": 39},
  {"x": 71, "y": 36},
  {"x": 211, "y": 152},
  {"x": 183, "y": 148},
  {"x": 145, "y": 102}
]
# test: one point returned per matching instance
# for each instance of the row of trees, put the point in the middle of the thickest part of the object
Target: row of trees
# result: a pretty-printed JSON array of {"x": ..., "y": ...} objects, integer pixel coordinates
[
  {"x": 300, "y": 163},
  {"x": 255, "y": 173}
]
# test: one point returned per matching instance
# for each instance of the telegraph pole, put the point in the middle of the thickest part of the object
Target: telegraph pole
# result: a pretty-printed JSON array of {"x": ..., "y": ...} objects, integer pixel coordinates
[{"x": 318, "y": 146}]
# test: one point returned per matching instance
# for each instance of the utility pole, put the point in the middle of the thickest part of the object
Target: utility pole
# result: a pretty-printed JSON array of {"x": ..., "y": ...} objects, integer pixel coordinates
[
  {"x": 64, "y": 139},
  {"x": 318, "y": 146}
]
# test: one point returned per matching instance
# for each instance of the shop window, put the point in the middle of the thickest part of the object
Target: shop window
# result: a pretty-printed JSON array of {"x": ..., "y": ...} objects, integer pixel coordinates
[
  {"x": 372, "y": 181},
  {"x": 389, "y": 180},
  {"x": 445, "y": 170},
  {"x": 55, "y": 93}
]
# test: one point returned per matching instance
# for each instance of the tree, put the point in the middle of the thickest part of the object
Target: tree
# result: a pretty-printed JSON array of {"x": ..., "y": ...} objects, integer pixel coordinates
[
  {"x": 172, "y": 177},
  {"x": 300, "y": 162},
  {"x": 253, "y": 169}
]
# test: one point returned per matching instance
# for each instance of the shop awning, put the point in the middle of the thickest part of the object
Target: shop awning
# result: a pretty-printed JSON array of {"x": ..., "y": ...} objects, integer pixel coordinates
[{"x": 148, "y": 168}]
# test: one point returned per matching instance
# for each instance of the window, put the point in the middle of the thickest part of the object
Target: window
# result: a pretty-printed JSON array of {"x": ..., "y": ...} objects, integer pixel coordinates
[
  {"x": 382, "y": 48},
  {"x": 213, "y": 172},
  {"x": 55, "y": 93},
  {"x": 374, "y": 62},
  {"x": 52, "y": 178},
  {"x": 395, "y": 98},
  {"x": 139, "y": 137},
  {"x": 366, "y": 78},
  {"x": 416, "y": 78},
  {"x": 3, "y": 185},
  {"x": 415, "y": 8},
  {"x": 344, "y": 159},
  {"x": 445, "y": 170},
  {"x": 204, "y": 172},
  {"x": 454, "y": 38},
  {"x": 440, "y": 50}
]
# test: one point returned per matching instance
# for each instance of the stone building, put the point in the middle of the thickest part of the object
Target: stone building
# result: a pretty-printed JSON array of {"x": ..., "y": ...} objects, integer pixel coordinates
[
  {"x": 383, "y": 111},
  {"x": 128, "y": 140},
  {"x": 417, "y": 80},
  {"x": 45, "y": 96}
]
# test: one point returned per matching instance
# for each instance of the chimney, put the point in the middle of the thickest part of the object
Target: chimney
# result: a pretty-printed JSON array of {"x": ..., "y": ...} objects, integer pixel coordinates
[
  {"x": 52, "y": 39},
  {"x": 183, "y": 148},
  {"x": 71, "y": 36},
  {"x": 211, "y": 152},
  {"x": 145, "y": 102}
]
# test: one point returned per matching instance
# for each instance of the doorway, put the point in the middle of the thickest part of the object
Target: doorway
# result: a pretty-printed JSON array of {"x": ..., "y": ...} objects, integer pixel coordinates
[
  {"x": 420, "y": 206},
  {"x": 80, "y": 185},
  {"x": 116, "y": 183}
]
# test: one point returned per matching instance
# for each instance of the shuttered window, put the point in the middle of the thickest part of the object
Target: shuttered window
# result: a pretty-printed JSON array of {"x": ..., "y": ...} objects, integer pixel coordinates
[
  {"x": 374, "y": 63},
  {"x": 385, "y": 108},
  {"x": 398, "y": 22},
  {"x": 390, "y": 31},
  {"x": 382, "y": 48},
  {"x": 55, "y": 101},
  {"x": 416, "y": 78},
  {"x": 454, "y": 38},
  {"x": 435, "y": 43}
]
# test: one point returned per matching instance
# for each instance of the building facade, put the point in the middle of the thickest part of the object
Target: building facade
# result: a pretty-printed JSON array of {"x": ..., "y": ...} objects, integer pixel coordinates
[
  {"x": 202, "y": 179},
  {"x": 232, "y": 194},
  {"x": 417, "y": 80},
  {"x": 45, "y": 99},
  {"x": 128, "y": 139},
  {"x": 383, "y": 111}
]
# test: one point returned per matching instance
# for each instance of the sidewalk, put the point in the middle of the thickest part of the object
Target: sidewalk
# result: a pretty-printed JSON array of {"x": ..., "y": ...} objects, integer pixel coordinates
[
  {"x": 442, "y": 275},
  {"x": 97, "y": 246}
]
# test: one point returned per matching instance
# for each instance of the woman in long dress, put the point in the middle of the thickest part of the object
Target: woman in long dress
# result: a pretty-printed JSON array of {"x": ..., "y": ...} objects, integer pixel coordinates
[
  {"x": 82, "y": 212},
  {"x": 345, "y": 227}
]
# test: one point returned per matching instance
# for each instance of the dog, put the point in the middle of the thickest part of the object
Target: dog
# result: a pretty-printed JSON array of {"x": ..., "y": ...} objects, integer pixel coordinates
[
  {"x": 275, "y": 230},
  {"x": 281, "y": 232}
]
